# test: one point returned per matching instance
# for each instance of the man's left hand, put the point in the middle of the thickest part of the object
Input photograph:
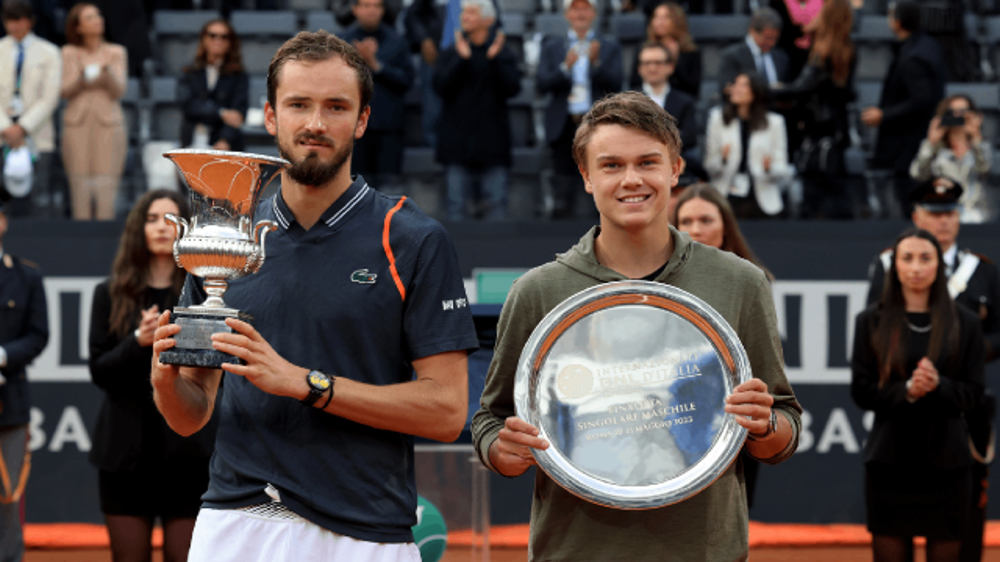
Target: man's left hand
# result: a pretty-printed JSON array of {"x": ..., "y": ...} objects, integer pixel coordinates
[
  {"x": 495, "y": 47},
  {"x": 368, "y": 49},
  {"x": 750, "y": 404},
  {"x": 595, "y": 51},
  {"x": 262, "y": 366}
]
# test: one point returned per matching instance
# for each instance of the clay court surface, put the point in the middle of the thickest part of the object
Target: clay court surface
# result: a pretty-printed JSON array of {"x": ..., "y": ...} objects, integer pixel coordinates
[
  {"x": 784, "y": 554},
  {"x": 770, "y": 542}
]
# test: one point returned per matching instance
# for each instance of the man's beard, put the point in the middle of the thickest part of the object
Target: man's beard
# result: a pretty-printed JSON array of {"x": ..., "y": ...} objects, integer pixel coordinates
[{"x": 311, "y": 170}]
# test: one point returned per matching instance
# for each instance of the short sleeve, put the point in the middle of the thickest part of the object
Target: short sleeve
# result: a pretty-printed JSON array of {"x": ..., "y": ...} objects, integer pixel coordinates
[{"x": 437, "y": 317}]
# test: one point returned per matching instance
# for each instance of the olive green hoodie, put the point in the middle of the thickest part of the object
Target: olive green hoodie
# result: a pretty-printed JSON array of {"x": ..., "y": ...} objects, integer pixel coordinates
[{"x": 711, "y": 526}]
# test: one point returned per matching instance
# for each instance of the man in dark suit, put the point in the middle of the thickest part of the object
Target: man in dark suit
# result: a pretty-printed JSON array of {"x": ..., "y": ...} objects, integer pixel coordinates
[
  {"x": 756, "y": 53},
  {"x": 912, "y": 89},
  {"x": 974, "y": 282},
  {"x": 577, "y": 69},
  {"x": 655, "y": 66},
  {"x": 379, "y": 154},
  {"x": 24, "y": 331}
]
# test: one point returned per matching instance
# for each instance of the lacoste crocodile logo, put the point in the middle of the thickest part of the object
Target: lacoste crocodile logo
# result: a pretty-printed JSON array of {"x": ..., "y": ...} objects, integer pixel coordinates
[{"x": 363, "y": 277}]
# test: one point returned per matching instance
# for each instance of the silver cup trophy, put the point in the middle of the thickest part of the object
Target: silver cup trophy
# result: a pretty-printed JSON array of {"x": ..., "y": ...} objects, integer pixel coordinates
[{"x": 220, "y": 243}]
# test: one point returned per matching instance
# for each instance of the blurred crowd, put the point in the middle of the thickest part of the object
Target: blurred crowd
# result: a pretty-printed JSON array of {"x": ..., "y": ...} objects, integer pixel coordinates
[{"x": 781, "y": 131}]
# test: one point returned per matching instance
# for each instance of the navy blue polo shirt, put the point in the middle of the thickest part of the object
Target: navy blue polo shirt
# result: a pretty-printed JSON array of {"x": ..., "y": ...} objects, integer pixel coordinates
[{"x": 373, "y": 285}]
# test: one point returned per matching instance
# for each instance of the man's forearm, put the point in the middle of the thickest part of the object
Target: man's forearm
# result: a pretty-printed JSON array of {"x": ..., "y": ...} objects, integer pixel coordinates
[{"x": 185, "y": 402}]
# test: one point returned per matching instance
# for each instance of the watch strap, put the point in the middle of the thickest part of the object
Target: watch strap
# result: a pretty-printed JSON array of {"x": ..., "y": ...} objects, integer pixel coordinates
[
  {"x": 314, "y": 392},
  {"x": 772, "y": 428}
]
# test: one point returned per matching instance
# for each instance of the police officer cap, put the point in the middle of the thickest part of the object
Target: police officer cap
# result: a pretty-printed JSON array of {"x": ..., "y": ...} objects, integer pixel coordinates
[{"x": 937, "y": 195}]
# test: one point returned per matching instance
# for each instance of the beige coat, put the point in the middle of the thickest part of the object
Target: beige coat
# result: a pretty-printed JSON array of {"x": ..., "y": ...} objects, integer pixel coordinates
[{"x": 40, "y": 80}]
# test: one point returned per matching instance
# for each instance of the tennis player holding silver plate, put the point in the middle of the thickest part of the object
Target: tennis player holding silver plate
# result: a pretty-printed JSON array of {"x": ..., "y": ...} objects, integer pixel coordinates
[
  {"x": 628, "y": 382},
  {"x": 634, "y": 366}
]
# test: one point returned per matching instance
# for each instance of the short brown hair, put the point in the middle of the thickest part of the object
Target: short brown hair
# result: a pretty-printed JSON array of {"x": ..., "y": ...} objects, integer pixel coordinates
[
  {"x": 17, "y": 10},
  {"x": 316, "y": 47},
  {"x": 661, "y": 47},
  {"x": 73, "y": 36},
  {"x": 632, "y": 110}
]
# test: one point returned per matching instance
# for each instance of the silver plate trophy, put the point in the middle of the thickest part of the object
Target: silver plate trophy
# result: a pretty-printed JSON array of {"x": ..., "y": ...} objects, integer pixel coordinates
[
  {"x": 628, "y": 381},
  {"x": 220, "y": 243}
]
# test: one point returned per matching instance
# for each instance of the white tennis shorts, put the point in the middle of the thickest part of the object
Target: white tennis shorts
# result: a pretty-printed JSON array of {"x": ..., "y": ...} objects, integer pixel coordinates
[{"x": 233, "y": 535}]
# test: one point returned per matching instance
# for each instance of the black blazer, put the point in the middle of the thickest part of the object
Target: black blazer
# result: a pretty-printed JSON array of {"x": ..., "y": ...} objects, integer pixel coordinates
[
  {"x": 476, "y": 128},
  {"x": 913, "y": 87},
  {"x": 606, "y": 78},
  {"x": 737, "y": 59},
  {"x": 24, "y": 332},
  {"x": 932, "y": 430},
  {"x": 129, "y": 427},
  {"x": 681, "y": 106},
  {"x": 201, "y": 106}
]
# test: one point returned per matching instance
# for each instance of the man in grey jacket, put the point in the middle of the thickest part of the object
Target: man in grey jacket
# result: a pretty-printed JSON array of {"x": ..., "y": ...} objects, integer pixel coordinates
[{"x": 628, "y": 154}]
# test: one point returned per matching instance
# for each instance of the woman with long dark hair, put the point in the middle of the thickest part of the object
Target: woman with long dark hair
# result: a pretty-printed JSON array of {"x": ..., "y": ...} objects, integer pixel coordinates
[
  {"x": 667, "y": 25},
  {"x": 145, "y": 469},
  {"x": 822, "y": 93},
  {"x": 746, "y": 150},
  {"x": 703, "y": 213},
  {"x": 919, "y": 364},
  {"x": 214, "y": 91},
  {"x": 706, "y": 216}
]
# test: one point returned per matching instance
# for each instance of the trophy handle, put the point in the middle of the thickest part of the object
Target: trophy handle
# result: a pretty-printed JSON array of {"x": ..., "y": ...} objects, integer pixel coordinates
[
  {"x": 181, "y": 228},
  {"x": 260, "y": 233}
]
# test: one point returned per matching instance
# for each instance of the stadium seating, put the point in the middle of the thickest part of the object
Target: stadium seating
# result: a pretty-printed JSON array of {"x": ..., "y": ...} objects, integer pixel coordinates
[
  {"x": 175, "y": 35},
  {"x": 262, "y": 32}
]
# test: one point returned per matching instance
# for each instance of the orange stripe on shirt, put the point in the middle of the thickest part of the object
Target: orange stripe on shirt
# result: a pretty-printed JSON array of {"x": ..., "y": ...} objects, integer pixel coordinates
[{"x": 388, "y": 249}]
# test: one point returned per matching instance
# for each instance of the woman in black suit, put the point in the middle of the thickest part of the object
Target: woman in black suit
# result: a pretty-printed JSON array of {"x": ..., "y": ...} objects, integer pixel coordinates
[
  {"x": 214, "y": 91},
  {"x": 919, "y": 364},
  {"x": 145, "y": 469}
]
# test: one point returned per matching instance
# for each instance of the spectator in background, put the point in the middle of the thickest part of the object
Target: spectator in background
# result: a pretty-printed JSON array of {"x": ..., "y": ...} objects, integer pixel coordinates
[
  {"x": 656, "y": 65},
  {"x": 796, "y": 33},
  {"x": 668, "y": 26},
  {"x": 918, "y": 363},
  {"x": 93, "y": 137},
  {"x": 954, "y": 148},
  {"x": 911, "y": 91},
  {"x": 746, "y": 152},
  {"x": 757, "y": 53},
  {"x": 576, "y": 70},
  {"x": 379, "y": 154},
  {"x": 475, "y": 77},
  {"x": 214, "y": 91},
  {"x": 29, "y": 100},
  {"x": 343, "y": 11},
  {"x": 133, "y": 446},
  {"x": 822, "y": 92},
  {"x": 424, "y": 22},
  {"x": 23, "y": 335}
]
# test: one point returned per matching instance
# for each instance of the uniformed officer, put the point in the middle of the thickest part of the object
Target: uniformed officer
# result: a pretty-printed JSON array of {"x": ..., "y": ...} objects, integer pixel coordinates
[
  {"x": 24, "y": 331},
  {"x": 974, "y": 282}
]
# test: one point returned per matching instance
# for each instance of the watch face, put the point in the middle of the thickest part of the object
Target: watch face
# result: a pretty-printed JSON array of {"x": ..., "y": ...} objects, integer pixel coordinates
[{"x": 318, "y": 380}]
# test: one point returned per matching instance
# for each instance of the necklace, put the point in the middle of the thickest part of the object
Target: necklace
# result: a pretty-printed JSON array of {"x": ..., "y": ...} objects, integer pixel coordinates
[{"x": 920, "y": 329}]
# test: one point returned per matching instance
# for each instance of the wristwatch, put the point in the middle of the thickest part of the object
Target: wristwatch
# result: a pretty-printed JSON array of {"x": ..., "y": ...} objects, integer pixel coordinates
[
  {"x": 772, "y": 428},
  {"x": 319, "y": 382}
]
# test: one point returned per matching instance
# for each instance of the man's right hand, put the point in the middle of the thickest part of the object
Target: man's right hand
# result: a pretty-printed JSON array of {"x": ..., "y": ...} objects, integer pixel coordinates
[
  {"x": 163, "y": 339},
  {"x": 511, "y": 453},
  {"x": 429, "y": 51}
]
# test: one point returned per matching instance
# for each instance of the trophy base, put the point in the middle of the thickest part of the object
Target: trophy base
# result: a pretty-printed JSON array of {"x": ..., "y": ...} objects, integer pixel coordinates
[{"x": 194, "y": 341}]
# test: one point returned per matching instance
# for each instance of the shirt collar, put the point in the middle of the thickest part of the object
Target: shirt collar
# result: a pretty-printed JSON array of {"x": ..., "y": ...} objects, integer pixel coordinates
[
  {"x": 658, "y": 98},
  {"x": 573, "y": 37},
  {"x": 26, "y": 42},
  {"x": 754, "y": 49},
  {"x": 335, "y": 214},
  {"x": 949, "y": 256}
]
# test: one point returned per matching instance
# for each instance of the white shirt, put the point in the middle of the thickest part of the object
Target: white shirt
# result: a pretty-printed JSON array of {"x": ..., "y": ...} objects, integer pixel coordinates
[
  {"x": 579, "y": 96},
  {"x": 660, "y": 98},
  {"x": 949, "y": 259},
  {"x": 764, "y": 62}
]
